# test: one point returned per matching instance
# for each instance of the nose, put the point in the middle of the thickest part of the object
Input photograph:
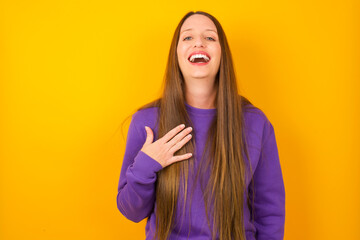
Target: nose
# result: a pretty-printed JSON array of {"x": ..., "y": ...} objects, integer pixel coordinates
[{"x": 199, "y": 42}]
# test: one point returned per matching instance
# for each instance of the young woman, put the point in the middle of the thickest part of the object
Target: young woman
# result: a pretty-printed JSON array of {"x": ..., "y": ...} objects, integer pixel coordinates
[{"x": 201, "y": 162}]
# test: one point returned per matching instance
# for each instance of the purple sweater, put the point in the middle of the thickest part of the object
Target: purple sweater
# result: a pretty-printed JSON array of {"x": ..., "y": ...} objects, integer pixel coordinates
[{"x": 136, "y": 189}]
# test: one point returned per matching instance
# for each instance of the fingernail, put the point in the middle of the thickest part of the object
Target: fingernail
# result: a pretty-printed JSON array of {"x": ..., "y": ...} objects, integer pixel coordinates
[
  {"x": 182, "y": 125},
  {"x": 145, "y": 128}
]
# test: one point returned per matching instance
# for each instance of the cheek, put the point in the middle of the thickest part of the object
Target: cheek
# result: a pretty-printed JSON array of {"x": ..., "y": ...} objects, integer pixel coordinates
[
  {"x": 180, "y": 49},
  {"x": 218, "y": 59},
  {"x": 217, "y": 55},
  {"x": 181, "y": 52},
  {"x": 218, "y": 50},
  {"x": 180, "y": 56},
  {"x": 178, "y": 52}
]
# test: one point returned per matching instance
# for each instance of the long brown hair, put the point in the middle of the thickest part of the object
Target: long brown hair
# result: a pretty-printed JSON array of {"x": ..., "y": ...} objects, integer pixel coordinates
[{"x": 224, "y": 190}]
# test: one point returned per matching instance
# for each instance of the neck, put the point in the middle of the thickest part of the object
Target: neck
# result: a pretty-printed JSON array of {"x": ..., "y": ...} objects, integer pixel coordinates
[{"x": 201, "y": 94}]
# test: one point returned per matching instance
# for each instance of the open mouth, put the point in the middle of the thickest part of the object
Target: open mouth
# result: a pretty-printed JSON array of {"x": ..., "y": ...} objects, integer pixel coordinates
[{"x": 199, "y": 58}]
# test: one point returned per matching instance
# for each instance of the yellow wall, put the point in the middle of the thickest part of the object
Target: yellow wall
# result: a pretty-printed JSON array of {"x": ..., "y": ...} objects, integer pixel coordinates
[{"x": 71, "y": 71}]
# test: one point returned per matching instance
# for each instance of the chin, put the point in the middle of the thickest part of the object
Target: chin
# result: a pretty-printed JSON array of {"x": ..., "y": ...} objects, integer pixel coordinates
[{"x": 200, "y": 76}]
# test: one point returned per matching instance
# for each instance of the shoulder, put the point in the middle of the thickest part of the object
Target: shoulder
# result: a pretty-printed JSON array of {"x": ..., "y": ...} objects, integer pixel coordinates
[
  {"x": 255, "y": 115},
  {"x": 256, "y": 124},
  {"x": 145, "y": 114},
  {"x": 145, "y": 117},
  {"x": 252, "y": 114}
]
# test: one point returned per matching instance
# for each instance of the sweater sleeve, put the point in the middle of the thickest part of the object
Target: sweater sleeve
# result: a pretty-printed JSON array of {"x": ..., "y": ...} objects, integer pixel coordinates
[
  {"x": 269, "y": 202},
  {"x": 136, "y": 189}
]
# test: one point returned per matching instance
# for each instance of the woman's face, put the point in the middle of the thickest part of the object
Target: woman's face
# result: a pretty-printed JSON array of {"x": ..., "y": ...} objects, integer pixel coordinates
[{"x": 198, "y": 37}]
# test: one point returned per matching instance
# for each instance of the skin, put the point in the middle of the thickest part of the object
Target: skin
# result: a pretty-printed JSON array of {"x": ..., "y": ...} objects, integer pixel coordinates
[
  {"x": 199, "y": 86},
  {"x": 199, "y": 80}
]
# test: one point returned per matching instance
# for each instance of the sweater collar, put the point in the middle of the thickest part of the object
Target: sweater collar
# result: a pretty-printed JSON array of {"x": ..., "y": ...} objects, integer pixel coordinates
[{"x": 200, "y": 111}]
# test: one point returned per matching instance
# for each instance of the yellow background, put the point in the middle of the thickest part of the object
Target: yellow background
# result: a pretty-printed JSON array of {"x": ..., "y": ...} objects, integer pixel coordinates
[{"x": 71, "y": 71}]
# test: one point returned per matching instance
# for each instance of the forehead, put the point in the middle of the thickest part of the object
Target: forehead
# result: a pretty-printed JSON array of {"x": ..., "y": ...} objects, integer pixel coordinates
[{"x": 198, "y": 22}]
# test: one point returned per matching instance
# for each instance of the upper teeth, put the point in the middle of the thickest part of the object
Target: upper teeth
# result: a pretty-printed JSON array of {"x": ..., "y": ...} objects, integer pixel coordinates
[{"x": 199, "y": 56}]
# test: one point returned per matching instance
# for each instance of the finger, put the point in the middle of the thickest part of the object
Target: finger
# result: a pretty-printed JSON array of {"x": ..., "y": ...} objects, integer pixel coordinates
[
  {"x": 149, "y": 135},
  {"x": 172, "y": 133},
  {"x": 180, "y": 144},
  {"x": 180, "y": 158},
  {"x": 179, "y": 136}
]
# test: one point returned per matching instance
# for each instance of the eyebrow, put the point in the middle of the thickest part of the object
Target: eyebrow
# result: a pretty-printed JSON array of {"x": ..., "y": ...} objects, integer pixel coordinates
[{"x": 205, "y": 30}]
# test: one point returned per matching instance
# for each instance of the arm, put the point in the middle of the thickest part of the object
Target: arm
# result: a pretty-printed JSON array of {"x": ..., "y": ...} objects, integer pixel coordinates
[
  {"x": 136, "y": 189},
  {"x": 269, "y": 202}
]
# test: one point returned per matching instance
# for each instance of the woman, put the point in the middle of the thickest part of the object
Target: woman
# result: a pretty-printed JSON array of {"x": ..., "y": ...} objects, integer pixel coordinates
[{"x": 218, "y": 178}]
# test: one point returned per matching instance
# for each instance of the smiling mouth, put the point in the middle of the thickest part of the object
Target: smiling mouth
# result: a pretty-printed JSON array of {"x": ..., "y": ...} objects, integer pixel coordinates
[{"x": 199, "y": 58}]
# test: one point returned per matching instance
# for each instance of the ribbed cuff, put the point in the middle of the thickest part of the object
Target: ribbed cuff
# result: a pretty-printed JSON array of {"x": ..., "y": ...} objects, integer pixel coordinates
[{"x": 145, "y": 166}]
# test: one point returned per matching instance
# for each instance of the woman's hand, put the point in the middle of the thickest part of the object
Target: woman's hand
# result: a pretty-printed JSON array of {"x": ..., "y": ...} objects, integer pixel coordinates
[{"x": 163, "y": 149}]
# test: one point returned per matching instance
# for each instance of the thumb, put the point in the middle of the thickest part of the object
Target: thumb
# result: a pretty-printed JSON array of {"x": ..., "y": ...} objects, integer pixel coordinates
[{"x": 149, "y": 135}]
